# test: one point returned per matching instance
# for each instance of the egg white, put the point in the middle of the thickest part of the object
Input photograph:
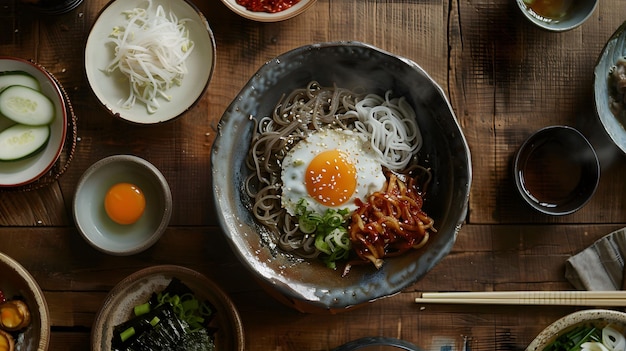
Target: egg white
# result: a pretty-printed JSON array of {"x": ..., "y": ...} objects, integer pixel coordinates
[{"x": 370, "y": 177}]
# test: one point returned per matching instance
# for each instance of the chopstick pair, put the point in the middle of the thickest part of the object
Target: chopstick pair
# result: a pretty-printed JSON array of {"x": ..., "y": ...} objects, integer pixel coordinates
[{"x": 555, "y": 298}]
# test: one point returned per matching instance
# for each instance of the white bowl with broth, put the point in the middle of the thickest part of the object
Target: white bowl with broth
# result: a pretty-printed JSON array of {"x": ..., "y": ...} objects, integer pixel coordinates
[{"x": 308, "y": 284}]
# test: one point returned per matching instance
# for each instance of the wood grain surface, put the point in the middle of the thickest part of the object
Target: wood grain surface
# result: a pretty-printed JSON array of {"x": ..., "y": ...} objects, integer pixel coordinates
[{"x": 505, "y": 79}]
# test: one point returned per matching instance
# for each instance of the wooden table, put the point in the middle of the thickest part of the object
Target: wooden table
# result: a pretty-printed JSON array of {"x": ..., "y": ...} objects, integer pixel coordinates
[{"x": 504, "y": 78}]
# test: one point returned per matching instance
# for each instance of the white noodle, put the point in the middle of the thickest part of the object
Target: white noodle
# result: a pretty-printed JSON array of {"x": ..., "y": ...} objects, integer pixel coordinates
[
  {"x": 392, "y": 129},
  {"x": 151, "y": 51}
]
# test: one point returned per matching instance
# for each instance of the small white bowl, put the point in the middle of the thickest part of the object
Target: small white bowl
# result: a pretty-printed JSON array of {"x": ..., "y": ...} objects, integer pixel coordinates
[
  {"x": 92, "y": 220},
  {"x": 288, "y": 13},
  {"x": 578, "y": 12},
  {"x": 29, "y": 169},
  {"x": 110, "y": 89}
]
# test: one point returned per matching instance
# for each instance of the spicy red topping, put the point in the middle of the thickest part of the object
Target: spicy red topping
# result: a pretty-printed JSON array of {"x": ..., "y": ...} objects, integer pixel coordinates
[{"x": 270, "y": 6}]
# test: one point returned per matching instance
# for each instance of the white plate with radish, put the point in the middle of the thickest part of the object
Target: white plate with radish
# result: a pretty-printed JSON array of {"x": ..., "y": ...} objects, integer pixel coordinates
[
  {"x": 149, "y": 61},
  {"x": 33, "y": 121}
]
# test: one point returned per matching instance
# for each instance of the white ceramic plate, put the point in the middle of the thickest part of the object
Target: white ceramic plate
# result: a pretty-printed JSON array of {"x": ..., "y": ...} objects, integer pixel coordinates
[
  {"x": 28, "y": 170},
  {"x": 293, "y": 11},
  {"x": 110, "y": 89},
  {"x": 137, "y": 288}
]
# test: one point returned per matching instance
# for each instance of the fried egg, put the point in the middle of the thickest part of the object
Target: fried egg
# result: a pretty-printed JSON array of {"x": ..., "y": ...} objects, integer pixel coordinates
[{"x": 330, "y": 169}]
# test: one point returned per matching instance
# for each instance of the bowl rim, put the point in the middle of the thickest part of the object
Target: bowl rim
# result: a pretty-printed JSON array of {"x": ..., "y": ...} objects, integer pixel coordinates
[
  {"x": 60, "y": 97},
  {"x": 43, "y": 309},
  {"x": 162, "y": 185},
  {"x": 331, "y": 300},
  {"x": 115, "y": 112},
  {"x": 524, "y": 150},
  {"x": 175, "y": 271},
  {"x": 570, "y": 320},
  {"x": 609, "y": 121},
  {"x": 555, "y": 27},
  {"x": 297, "y": 9}
]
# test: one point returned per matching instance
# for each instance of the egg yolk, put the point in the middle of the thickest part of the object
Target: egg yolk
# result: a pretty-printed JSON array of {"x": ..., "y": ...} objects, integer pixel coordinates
[
  {"x": 330, "y": 178},
  {"x": 124, "y": 203}
]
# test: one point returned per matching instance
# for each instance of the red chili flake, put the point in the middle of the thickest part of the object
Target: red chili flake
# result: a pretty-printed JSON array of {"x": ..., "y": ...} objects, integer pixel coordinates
[
  {"x": 270, "y": 6},
  {"x": 2, "y": 298}
]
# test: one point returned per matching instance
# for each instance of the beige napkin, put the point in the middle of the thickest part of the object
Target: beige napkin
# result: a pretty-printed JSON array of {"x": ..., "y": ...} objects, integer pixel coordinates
[{"x": 601, "y": 265}]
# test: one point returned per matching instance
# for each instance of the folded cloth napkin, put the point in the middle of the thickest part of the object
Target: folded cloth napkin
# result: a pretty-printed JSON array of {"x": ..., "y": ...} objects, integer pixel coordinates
[{"x": 601, "y": 265}]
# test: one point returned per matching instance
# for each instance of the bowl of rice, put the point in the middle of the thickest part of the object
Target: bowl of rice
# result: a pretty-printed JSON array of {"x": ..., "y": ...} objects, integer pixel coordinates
[
  {"x": 349, "y": 177},
  {"x": 149, "y": 61}
]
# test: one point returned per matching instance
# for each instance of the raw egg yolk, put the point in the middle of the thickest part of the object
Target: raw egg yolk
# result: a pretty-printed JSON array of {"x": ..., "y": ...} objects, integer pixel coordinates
[
  {"x": 330, "y": 178},
  {"x": 124, "y": 203}
]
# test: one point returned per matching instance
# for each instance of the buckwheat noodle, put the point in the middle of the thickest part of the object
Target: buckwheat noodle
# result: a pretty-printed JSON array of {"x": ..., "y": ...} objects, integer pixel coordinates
[{"x": 389, "y": 123}]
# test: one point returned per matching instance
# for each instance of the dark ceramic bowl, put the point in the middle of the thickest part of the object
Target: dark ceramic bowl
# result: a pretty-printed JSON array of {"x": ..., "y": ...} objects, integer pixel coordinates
[
  {"x": 556, "y": 170},
  {"x": 614, "y": 125},
  {"x": 309, "y": 285}
]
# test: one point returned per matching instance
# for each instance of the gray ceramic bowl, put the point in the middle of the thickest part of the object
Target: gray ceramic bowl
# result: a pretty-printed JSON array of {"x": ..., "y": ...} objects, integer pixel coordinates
[
  {"x": 17, "y": 282},
  {"x": 310, "y": 285},
  {"x": 598, "y": 318},
  {"x": 614, "y": 125},
  {"x": 92, "y": 220},
  {"x": 575, "y": 15}
]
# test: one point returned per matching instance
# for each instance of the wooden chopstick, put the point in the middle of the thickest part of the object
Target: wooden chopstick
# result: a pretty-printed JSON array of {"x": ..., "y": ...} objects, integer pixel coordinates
[{"x": 562, "y": 298}]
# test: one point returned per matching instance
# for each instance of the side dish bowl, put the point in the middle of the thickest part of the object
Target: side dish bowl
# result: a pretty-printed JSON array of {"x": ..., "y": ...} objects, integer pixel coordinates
[
  {"x": 17, "y": 283},
  {"x": 615, "y": 126},
  {"x": 111, "y": 89},
  {"x": 598, "y": 318},
  {"x": 309, "y": 285},
  {"x": 576, "y": 13},
  {"x": 90, "y": 215},
  {"x": 28, "y": 169},
  {"x": 137, "y": 288},
  {"x": 263, "y": 16}
]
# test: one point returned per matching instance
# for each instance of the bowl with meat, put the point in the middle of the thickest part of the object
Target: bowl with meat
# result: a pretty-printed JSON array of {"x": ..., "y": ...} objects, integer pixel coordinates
[
  {"x": 609, "y": 87},
  {"x": 24, "y": 316},
  {"x": 349, "y": 177}
]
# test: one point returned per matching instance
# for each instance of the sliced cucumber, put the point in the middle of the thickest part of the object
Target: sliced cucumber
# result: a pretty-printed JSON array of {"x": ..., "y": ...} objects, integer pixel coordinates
[
  {"x": 18, "y": 78},
  {"x": 21, "y": 140},
  {"x": 26, "y": 106}
]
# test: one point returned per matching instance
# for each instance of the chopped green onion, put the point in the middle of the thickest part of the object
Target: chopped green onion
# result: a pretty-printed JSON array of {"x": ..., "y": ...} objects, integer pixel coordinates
[
  {"x": 127, "y": 334},
  {"x": 142, "y": 309}
]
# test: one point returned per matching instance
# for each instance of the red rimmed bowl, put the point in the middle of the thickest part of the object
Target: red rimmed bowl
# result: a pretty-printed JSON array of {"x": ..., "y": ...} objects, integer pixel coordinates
[{"x": 29, "y": 169}]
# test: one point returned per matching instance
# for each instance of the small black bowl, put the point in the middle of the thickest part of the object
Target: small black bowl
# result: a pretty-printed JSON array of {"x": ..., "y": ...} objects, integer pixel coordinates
[{"x": 556, "y": 170}]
